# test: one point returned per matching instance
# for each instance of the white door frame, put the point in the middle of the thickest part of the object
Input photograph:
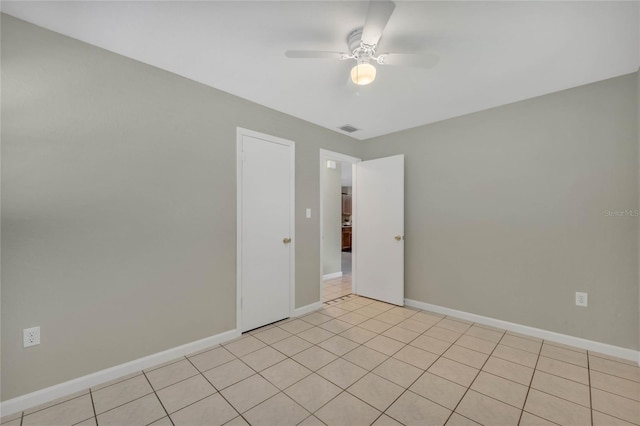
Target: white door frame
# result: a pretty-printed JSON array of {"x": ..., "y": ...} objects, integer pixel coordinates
[
  {"x": 331, "y": 155},
  {"x": 240, "y": 132}
]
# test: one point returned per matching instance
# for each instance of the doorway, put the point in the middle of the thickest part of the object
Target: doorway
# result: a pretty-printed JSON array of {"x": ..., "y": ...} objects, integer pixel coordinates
[
  {"x": 265, "y": 240},
  {"x": 337, "y": 212},
  {"x": 377, "y": 223}
]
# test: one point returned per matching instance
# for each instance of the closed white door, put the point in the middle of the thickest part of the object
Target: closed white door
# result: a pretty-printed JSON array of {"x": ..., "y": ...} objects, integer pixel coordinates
[
  {"x": 379, "y": 229},
  {"x": 265, "y": 229}
]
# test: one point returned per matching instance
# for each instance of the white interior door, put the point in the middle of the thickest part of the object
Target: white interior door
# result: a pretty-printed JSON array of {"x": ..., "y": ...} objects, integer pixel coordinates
[
  {"x": 265, "y": 230},
  {"x": 379, "y": 229}
]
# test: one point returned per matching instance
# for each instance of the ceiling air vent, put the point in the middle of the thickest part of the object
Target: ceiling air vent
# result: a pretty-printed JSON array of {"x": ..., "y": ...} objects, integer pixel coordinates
[{"x": 348, "y": 128}]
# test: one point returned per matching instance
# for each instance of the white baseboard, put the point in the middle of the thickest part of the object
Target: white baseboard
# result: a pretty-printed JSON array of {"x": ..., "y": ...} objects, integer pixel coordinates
[
  {"x": 298, "y": 312},
  {"x": 61, "y": 390},
  {"x": 591, "y": 345},
  {"x": 332, "y": 276}
]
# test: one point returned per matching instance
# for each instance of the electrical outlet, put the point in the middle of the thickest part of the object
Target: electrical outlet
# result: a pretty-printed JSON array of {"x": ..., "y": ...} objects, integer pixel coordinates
[
  {"x": 582, "y": 299},
  {"x": 31, "y": 336}
]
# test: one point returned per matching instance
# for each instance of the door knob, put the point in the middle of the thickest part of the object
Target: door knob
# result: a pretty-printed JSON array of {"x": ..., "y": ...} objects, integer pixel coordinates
[
  {"x": 398, "y": 237},
  {"x": 286, "y": 240}
]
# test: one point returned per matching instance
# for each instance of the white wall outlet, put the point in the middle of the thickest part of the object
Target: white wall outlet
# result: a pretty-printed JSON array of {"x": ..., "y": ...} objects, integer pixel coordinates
[
  {"x": 31, "y": 336},
  {"x": 582, "y": 299},
  {"x": 308, "y": 213}
]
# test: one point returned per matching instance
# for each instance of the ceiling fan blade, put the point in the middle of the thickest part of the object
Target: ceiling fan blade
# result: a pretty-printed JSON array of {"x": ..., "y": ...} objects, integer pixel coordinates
[
  {"x": 417, "y": 60},
  {"x": 312, "y": 54},
  {"x": 377, "y": 18}
]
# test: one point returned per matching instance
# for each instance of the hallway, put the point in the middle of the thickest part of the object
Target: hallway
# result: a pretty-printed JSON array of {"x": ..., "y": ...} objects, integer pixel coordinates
[{"x": 341, "y": 286}]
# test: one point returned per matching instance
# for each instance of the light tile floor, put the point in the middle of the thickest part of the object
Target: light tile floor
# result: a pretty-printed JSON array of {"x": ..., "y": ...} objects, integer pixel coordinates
[
  {"x": 336, "y": 288},
  {"x": 363, "y": 362},
  {"x": 339, "y": 287}
]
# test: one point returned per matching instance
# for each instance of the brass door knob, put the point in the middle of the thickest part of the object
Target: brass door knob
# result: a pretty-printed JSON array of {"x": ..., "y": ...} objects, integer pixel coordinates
[
  {"x": 398, "y": 237},
  {"x": 286, "y": 240}
]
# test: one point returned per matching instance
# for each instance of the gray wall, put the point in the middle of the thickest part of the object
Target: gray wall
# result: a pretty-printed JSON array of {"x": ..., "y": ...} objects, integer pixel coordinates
[
  {"x": 118, "y": 206},
  {"x": 331, "y": 220},
  {"x": 505, "y": 211}
]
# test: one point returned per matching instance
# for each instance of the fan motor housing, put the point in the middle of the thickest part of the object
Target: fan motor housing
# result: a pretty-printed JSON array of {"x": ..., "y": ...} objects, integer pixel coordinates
[{"x": 354, "y": 38}]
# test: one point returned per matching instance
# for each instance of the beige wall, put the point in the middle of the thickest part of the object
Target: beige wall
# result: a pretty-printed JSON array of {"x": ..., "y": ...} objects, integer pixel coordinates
[
  {"x": 118, "y": 206},
  {"x": 331, "y": 220},
  {"x": 505, "y": 211}
]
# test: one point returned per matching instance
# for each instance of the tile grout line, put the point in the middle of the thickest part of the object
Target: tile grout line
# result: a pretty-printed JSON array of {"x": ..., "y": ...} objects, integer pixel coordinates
[
  {"x": 125, "y": 403},
  {"x": 417, "y": 378},
  {"x": 259, "y": 373},
  {"x": 590, "y": 393},
  {"x": 441, "y": 356},
  {"x": 451, "y": 344},
  {"x": 552, "y": 395},
  {"x": 562, "y": 360},
  {"x": 560, "y": 397},
  {"x": 616, "y": 394},
  {"x": 562, "y": 377},
  {"x": 535, "y": 368},
  {"x": 405, "y": 389},
  {"x": 618, "y": 360},
  {"x": 538, "y": 390},
  {"x": 219, "y": 391},
  {"x": 605, "y": 391},
  {"x": 121, "y": 379},
  {"x": 93, "y": 406},
  {"x": 53, "y": 405},
  {"x": 159, "y": 400},
  {"x": 474, "y": 379},
  {"x": 341, "y": 357},
  {"x": 190, "y": 404},
  {"x": 175, "y": 383},
  {"x": 612, "y": 374},
  {"x": 149, "y": 370},
  {"x": 615, "y": 417},
  {"x": 382, "y": 412}
]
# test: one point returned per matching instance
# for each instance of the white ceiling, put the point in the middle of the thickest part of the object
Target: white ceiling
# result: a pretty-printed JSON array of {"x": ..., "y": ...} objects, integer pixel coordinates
[{"x": 491, "y": 53}]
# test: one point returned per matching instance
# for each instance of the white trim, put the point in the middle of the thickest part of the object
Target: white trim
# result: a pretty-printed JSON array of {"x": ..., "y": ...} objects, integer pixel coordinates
[
  {"x": 61, "y": 390},
  {"x": 578, "y": 342},
  {"x": 238, "y": 228},
  {"x": 331, "y": 155},
  {"x": 332, "y": 276},
  {"x": 298, "y": 312},
  {"x": 354, "y": 230},
  {"x": 292, "y": 217},
  {"x": 240, "y": 132}
]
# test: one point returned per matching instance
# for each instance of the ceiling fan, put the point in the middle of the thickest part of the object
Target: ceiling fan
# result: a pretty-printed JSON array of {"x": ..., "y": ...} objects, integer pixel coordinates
[{"x": 362, "y": 44}]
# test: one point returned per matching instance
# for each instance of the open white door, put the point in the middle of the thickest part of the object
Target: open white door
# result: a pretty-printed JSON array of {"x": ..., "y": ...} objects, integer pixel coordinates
[{"x": 379, "y": 229}]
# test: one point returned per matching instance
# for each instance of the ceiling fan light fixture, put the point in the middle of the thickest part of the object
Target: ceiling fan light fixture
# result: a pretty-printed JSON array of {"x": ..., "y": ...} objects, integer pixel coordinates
[{"x": 363, "y": 73}]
